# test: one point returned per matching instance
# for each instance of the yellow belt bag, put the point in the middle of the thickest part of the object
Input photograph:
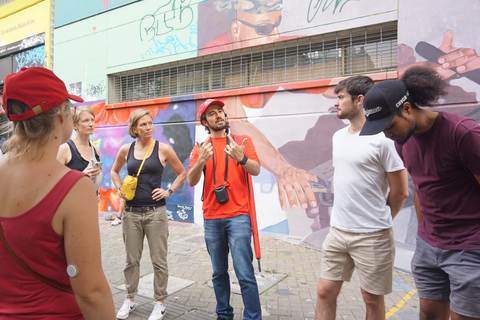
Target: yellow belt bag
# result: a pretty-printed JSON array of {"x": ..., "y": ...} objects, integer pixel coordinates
[{"x": 129, "y": 185}]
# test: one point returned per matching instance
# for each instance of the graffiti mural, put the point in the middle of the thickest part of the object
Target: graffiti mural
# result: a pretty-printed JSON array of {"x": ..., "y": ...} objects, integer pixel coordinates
[
  {"x": 96, "y": 90},
  {"x": 170, "y": 127},
  {"x": 292, "y": 127},
  {"x": 170, "y": 30},
  {"x": 332, "y": 6},
  {"x": 428, "y": 42},
  {"x": 291, "y": 124},
  {"x": 227, "y": 24},
  {"x": 30, "y": 58}
]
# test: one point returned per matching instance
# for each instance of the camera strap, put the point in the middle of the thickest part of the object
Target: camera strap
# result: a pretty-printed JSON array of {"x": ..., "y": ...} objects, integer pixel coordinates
[{"x": 226, "y": 165}]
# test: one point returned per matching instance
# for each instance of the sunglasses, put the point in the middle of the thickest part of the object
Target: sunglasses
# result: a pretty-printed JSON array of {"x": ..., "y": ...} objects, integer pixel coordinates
[{"x": 263, "y": 29}]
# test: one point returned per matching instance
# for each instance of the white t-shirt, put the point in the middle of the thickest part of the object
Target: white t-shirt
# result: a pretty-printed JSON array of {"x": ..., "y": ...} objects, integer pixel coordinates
[{"x": 360, "y": 181}]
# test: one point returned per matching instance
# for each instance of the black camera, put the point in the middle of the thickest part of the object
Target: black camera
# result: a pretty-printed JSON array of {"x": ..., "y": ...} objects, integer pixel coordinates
[{"x": 221, "y": 194}]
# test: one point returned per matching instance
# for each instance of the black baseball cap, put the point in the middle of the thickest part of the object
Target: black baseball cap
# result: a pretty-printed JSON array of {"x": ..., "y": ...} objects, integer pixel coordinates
[{"x": 381, "y": 104}]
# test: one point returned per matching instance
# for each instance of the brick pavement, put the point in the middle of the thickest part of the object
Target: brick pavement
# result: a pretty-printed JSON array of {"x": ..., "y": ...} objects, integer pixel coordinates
[{"x": 294, "y": 297}]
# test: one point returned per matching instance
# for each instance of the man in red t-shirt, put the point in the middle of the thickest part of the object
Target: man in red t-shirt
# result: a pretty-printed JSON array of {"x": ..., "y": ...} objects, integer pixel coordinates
[{"x": 225, "y": 164}]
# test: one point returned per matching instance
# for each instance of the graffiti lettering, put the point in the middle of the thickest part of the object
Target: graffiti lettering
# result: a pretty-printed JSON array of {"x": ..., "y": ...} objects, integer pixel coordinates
[
  {"x": 316, "y": 4},
  {"x": 31, "y": 58},
  {"x": 96, "y": 90},
  {"x": 173, "y": 16},
  {"x": 32, "y": 41},
  {"x": 170, "y": 214},
  {"x": 172, "y": 45},
  {"x": 184, "y": 211}
]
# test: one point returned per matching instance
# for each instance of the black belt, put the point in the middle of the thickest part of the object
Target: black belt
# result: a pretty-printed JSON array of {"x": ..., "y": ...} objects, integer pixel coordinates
[{"x": 141, "y": 209}]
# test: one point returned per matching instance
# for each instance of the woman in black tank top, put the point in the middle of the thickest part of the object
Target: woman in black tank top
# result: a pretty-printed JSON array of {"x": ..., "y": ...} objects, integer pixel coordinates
[
  {"x": 145, "y": 215},
  {"x": 77, "y": 152}
]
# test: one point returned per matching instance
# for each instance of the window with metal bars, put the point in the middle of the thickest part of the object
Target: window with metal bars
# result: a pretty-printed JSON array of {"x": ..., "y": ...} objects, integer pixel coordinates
[{"x": 357, "y": 51}]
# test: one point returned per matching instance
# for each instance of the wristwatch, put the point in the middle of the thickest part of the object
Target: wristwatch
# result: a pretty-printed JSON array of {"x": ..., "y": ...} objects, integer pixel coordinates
[
  {"x": 170, "y": 191},
  {"x": 244, "y": 161}
]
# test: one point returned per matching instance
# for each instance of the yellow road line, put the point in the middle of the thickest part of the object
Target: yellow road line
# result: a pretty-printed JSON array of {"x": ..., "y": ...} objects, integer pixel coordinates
[{"x": 400, "y": 304}]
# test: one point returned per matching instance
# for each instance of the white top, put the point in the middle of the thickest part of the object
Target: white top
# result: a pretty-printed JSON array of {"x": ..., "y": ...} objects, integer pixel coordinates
[{"x": 360, "y": 181}]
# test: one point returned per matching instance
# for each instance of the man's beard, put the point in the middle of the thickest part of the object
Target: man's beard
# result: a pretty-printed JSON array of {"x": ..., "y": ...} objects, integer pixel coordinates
[
  {"x": 410, "y": 133},
  {"x": 348, "y": 114},
  {"x": 217, "y": 128}
]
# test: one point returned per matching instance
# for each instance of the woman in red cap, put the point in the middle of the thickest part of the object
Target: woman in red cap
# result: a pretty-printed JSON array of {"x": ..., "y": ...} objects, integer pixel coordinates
[{"x": 50, "y": 261}]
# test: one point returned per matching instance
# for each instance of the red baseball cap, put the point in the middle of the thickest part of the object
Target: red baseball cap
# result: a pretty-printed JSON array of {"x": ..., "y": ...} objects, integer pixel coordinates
[
  {"x": 207, "y": 104},
  {"x": 39, "y": 88}
]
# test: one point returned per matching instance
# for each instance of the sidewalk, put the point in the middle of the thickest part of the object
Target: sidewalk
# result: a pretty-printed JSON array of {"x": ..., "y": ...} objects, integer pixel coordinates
[{"x": 290, "y": 272}]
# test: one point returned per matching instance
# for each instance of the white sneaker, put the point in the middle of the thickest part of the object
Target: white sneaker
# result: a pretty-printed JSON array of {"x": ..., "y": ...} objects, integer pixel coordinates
[
  {"x": 158, "y": 312},
  {"x": 127, "y": 307},
  {"x": 116, "y": 222}
]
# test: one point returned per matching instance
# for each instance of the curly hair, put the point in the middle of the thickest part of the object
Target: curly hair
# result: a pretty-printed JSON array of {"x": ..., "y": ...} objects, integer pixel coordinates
[{"x": 424, "y": 84}]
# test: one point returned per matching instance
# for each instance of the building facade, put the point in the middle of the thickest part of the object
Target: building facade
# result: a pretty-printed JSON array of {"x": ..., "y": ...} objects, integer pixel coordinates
[{"x": 273, "y": 62}]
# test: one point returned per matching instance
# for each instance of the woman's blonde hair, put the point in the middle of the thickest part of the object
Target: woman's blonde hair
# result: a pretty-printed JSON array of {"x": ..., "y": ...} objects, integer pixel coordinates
[
  {"x": 81, "y": 109},
  {"x": 134, "y": 117},
  {"x": 30, "y": 136}
]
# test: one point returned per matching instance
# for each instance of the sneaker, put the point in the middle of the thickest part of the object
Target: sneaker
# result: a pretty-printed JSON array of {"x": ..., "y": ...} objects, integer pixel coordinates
[
  {"x": 116, "y": 222},
  {"x": 158, "y": 312},
  {"x": 127, "y": 307}
]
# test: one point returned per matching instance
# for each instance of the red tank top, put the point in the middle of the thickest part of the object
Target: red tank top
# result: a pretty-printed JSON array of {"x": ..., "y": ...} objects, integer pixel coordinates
[{"x": 33, "y": 239}]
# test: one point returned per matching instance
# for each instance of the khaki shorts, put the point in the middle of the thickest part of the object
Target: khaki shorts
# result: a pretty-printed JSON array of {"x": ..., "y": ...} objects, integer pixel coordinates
[{"x": 371, "y": 254}]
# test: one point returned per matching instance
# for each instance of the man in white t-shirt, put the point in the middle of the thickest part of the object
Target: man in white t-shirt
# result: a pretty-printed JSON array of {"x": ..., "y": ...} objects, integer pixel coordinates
[{"x": 370, "y": 186}]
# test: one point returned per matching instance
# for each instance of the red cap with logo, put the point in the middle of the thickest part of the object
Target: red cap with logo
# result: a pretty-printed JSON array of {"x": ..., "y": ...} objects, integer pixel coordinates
[
  {"x": 207, "y": 104},
  {"x": 39, "y": 88}
]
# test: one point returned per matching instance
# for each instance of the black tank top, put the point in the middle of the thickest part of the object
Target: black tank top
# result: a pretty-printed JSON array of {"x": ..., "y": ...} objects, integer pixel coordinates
[
  {"x": 78, "y": 162},
  {"x": 150, "y": 177}
]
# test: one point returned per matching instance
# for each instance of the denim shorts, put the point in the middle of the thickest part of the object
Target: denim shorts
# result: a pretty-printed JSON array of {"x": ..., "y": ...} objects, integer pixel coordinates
[{"x": 454, "y": 275}]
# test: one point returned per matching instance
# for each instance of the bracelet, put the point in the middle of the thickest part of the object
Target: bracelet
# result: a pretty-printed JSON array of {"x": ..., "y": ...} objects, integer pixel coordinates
[{"x": 244, "y": 161}]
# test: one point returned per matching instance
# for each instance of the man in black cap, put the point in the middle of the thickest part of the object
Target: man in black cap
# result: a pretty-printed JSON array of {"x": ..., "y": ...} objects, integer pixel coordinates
[{"x": 441, "y": 151}]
